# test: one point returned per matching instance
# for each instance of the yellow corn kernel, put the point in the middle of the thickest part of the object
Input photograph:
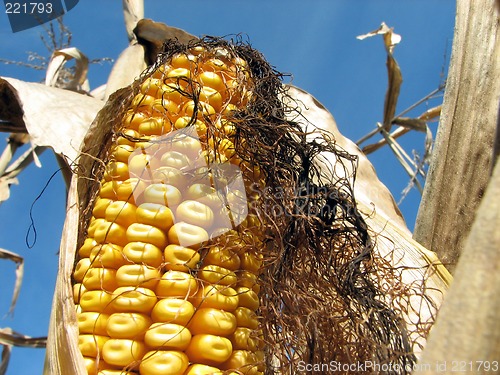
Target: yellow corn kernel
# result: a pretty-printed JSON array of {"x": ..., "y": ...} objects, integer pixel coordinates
[
  {"x": 100, "y": 279},
  {"x": 144, "y": 101},
  {"x": 138, "y": 232},
  {"x": 81, "y": 269},
  {"x": 127, "y": 137},
  {"x": 212, "y": 321},
  {"x": 217, "y": 297},
  {"x": 109, "y": 189},
  {"x": 94, "y": 365},
  {"x": 196, "y": 213},
  {"x": 176, "y": 284},
  {"x": 172, "y": 91},
  {"x": 121, "y": 212},
  {"x": 170, "y": 176},
  {"x": 251, "y": 262},
  {"x": 244, "y": 338},
  {"x": 205, "y": 194},
  {"x": 155, "y": 126},
  {"x": 93, "y": 225},
  {"x": 127, "y": 325},
  {"x": 182, "y": 60},
  {"x": 211, "y": 79},
  {"x": 96, "y": 300},
  {"x": 91, "y": 345},
  {"x": 217, "y": 275},
  {"x": 173, "y": 310},
  {"x": 133, "y": 299},
  {"x": 202, "y": 109},
  {"x": 92, "y": 322},
  {"x": 100, "y": 206},
  {"x": 167, "y": 336},
  {"x": 222, "y": 257},
  {"x": 179, "y": 73},
  {"x": 115, "y": 372},
  {"x": 137, "y": 275},
  {"x": 166, "y": 195},
  {"x": 109, "y": 232},
  {"x": 153, "y": 87},
  {"x": 78, "y": 290},
  {"x": 165, "y": 362},
  {"x": 175, "y": 159},
  {"x": 249, "y": 280},
  {"x": 132, "y": 120},
  {"x": 211, "y": 96},
  {"x": 198, "y": 369},
  {"x": 246, "y": 318},
  {"x": 155, "y": 214},
  {"x": 209, "y": 349},
  {"x": 122, "y": 153},
  {"x": 143, "y": 253},
  {"x": 248, "y": 298},
  {"x": 107, "y": 256},
  {"x": 130, "y": 189},
  {"x": 180, "y": 258},
  {"x": 243, "y": 361},
  {"x": 87, "y": 247},
  {"x": 199, "y": 125},
  {"x": 123, "y": 352},
  {"x": 116, "y": 170},
  {"x": 187, "y": 235}
]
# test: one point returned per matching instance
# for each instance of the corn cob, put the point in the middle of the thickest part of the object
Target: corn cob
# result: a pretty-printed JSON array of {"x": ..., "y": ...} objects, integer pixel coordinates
[{"x": 164, "y": 284}]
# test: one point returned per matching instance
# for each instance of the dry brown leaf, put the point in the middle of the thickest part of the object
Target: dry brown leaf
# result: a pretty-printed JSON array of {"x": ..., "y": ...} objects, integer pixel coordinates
[
  {"x": 391, "y": 39},
  {"x": 78, "y": 82},
  {"x": 153, "y": 34},
  {"x": 5, "y": 254},
  {"x": 53, "y": 117},
  {"x": 13, "y": 338}
]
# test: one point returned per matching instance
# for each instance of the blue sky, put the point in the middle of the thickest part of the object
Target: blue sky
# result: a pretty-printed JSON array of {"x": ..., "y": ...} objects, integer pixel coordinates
[{"x": 314, "y": 40}]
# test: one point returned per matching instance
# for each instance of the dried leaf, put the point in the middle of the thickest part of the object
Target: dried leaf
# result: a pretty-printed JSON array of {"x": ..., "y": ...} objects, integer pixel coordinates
[
  {"x": 368, "y": 188},
  {"x": 6, "y": 350},
  {"x": 133, "y": 11},
  {"x": 55, "y": 77},
  {"x": 53, "y": 117},
  {"x": 411, "y": 123},
  {"x": 5, "y": 254},
  {"x": 11, "y": 113},
  {"x": 13, "y": 338},
  {"x": 431, "y": 113},
  {"x": 153, "y": 34},
  {"x": 129, "y": 65},
  {"x": 5, "y": 183},
  {"x": 391, "y": 39}
]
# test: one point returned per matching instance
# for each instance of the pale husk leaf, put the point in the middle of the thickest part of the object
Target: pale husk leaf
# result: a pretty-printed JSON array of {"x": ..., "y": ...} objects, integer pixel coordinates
[{"x": 53, "y": 117}]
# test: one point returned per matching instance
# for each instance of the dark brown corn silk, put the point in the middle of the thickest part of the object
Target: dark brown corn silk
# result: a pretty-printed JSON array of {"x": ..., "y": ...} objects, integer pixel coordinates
[{"x": 319, "y": 280}]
